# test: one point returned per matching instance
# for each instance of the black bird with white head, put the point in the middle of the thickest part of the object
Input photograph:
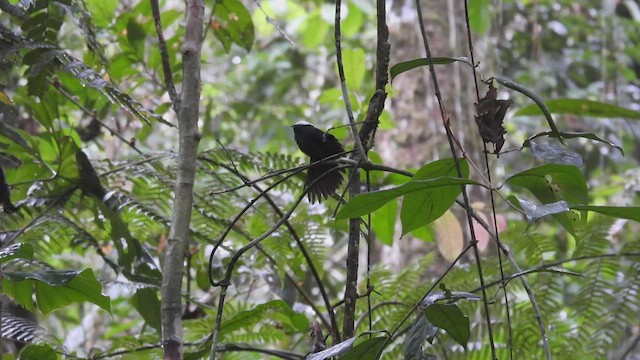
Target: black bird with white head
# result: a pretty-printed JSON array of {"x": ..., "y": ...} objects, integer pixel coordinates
[{"x": 319, "y": 145}]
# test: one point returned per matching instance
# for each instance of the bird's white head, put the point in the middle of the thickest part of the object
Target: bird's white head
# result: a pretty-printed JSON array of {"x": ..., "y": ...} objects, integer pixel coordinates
[{"x": 302, "y": 123}]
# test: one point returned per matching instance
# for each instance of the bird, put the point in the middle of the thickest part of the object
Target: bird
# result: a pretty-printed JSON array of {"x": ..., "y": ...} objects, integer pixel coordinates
[{"x": 319, "y": 145}]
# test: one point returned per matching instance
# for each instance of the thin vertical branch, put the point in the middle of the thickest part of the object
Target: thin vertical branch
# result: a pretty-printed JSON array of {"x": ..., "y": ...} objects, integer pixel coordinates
[
  {"x": 491, "y": 191},
  {"x": 369, "y": 251},
  {"x": 501, "y": 248},
  {"x": 446, "y": 124},
  {"x": 363, "y": 141},
  {"x": 351, "y": 291},
  {"x": 376, "y": 104},
  {"x": 343, "y": 84},
  {"x": 188, "y": 111},
  {"x": 164, "y": 56}
]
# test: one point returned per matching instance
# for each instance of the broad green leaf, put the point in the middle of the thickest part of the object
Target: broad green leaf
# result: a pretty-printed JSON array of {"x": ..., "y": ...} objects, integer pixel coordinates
[
  {"x": 449, "y": 318},
  {"x": 405, "y": 66},
  {"x": 631, "y": 213},
  {"x": 383, "y": 222},
  {"x": 16, "y": 251},
  {"x": 147, "y": 304},
  {"x": 386, "y": 123},
  {"x": 136, "y": 37},
  {"x": 480, "y": 15},
  {"x": 102, "y": 11},
  {"x": 353, "y": 60},
  {"x": 365, "y": 203},
  {"x": 551, "y": 183},
  {"x": 421, "y": 330},
  {"x": 57, "y": 288},
  {"x": 423, "y": 207},
  {"x": 232, "y": 24},
  {"x": 9, "y": 136},
  {"x": 425, "y": 233},
  {"x": 21, "y": 292},
  {"x": 37, "y": 352},
  {"x": 135, "y": 260},
  {"x": 315, "y": 30},
  {"x": 272, "y": 309},
  {"x": 353, "y": 22},
  {"x": 582, "y": 108},
  {"x": 368, "y": 349}
]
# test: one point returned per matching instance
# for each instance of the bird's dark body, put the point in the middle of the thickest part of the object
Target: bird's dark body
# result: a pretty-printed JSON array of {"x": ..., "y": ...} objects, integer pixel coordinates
[{"x": 319, "y": 145}]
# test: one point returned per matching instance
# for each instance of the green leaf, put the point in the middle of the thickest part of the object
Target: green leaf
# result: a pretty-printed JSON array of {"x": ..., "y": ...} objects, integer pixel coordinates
[
  {"x": 405, "y": 66},
  {"x": 21, "y": 292},
  {"x": 57, "y": 288},
  {"x": 424, "y": 207},
  {"x": 367, "y": 349},
  {"x": 449, "y": 318},
  {"x": 631, "y": 213},
  {"x": 37, "y": 352},
  {"x": 102, "y": 11},
  {"x": 365, "y": 203},
  {"x": 551, "y": 183},
  {"x": 383, "y": 222},
  {"x": 354, "y": 21},
  {"x": 16, "y": 251},
  {"x": 10, "y": 136},
  {"x": 232, "y": 23},
  {"x": 136, "y": 37},
  {"x": 421, "y": 330},
  {"x": 315, "y": 30},
  {"x": 480, "y": 15},
  {"x": 272, "y": 309},
  {"x": 146, "y": 302},
  {"x": 353, "y": 61},
  {"x": 581, "y": 108}
]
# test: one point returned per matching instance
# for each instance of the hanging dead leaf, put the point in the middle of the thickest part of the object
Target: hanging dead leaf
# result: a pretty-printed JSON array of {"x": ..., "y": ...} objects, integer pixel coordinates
[{"x": 489, "y": 117}]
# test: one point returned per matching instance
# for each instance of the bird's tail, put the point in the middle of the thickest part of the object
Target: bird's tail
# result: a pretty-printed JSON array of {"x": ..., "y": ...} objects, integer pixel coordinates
[{"x": 326, "y": 186}]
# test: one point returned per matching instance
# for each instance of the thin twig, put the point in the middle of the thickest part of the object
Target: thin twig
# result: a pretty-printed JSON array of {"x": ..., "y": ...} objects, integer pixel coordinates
[
  {"x": 164, "y": 57},
  {"x": 446, "y": 124},
  {"x": 277, "y": 173},
  {"x": 395, "y": 333},
  {"x": 491, "y": 191},
  {"x": 334, "y": 325},
  {"x": 93, "y": 116},
  {"x": 343, "y": 84},
  {"x": 225, "y": 283}
]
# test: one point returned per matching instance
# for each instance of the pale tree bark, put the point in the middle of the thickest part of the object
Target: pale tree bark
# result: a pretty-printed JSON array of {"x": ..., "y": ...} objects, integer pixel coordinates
[{"x": 188, "y": 109}]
